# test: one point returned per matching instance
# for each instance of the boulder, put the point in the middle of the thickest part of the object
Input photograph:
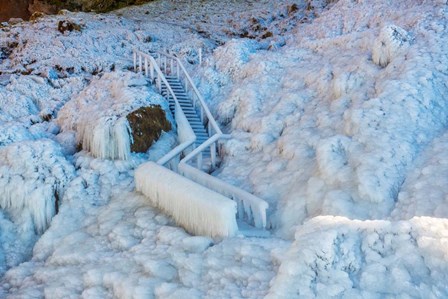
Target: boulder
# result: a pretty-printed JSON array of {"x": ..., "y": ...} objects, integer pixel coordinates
[{"x": 147, "y": 124}]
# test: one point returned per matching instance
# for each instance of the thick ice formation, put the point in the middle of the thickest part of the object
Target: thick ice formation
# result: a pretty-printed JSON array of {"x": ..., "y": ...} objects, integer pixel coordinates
[
  {"x": 333, "y": 257},
  {"x": 108, "y": 241},
  {"x": 391, "y": 41},
  {"x": 196, "y": 208},
  {"x": 424, "y": 192},
  {"x": 318, "y": 127},
  {"x": 98, "y": 113},
  {"x": 34, "y": 175}
]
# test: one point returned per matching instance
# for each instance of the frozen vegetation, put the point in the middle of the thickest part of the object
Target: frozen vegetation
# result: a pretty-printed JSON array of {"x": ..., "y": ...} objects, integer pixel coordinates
[
  {"x": 98, "y": 113},
  {"x": 338, "y": 116}
]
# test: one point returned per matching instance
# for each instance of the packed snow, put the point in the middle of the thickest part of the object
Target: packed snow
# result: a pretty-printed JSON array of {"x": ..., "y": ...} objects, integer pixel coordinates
[
  {"x": 340, "y": 131},
  {"x": 338, "y": 115},
  {"x": 334, "y": 257}
]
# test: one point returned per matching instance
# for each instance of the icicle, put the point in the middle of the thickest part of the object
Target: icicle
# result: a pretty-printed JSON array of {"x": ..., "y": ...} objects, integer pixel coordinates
[{"x": 196, "y": 208}]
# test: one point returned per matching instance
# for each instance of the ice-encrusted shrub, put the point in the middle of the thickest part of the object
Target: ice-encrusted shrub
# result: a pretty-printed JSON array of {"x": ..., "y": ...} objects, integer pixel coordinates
[
  {"x": 391, "y": 41},
  {"x": 33, "y": 177},
  {"x": 345, "y": 83}
]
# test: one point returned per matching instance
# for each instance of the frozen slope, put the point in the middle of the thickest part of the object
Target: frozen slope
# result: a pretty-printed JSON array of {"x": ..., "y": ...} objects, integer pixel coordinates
[
  {"x": 424, "y": 192},
  {"x": 344, "y": 115},
  {"x": 333, "y": 257},
  {"x": 41, "y": 69},
  {"x": 107, "y": 242},
  {"x": 323, "y": 125}
]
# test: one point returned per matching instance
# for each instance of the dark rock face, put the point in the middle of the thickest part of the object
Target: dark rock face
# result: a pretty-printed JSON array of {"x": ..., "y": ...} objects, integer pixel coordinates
[
  {"x": 88, "y": 5},
  {"x": 147, "y": 124},
  {"x": 14, "y": 9},
  {"x": 25, "y": 8}
]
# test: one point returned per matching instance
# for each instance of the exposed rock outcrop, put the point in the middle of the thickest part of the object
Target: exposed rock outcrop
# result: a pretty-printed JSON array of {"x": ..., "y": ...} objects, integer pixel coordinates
[
  {"x": 14, "y": 9},
  {"x": 147, "y": 124}
]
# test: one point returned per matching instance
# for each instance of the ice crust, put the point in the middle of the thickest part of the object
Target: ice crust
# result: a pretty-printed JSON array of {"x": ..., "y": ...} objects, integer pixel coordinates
[
  {"x": 194, "y": 207},
  {"x": 344, "y": 136}
]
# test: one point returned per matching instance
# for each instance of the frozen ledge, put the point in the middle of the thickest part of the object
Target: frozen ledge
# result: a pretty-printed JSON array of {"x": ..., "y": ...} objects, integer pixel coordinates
[{"x": 199, "y": 210}]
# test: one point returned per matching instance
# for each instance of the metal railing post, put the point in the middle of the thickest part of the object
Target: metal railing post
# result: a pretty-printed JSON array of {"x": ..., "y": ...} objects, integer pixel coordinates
[
  {"x": 146, "y": 67},
  {"x": 213, "y": 154},
  {"x": 199, "y": 161},
  {"x": 140, "y": 63},
  {"x": 151, "y": 71}
]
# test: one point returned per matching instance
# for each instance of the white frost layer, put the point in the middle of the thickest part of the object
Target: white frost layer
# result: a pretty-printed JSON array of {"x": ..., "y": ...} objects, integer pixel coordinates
[
  {"x": 334, "y": 257},
  {"x": 424, "y": 192},
  {"x": 391, "y": 41},
  {"x": 32, "y": 175},
  {"x": 98, "y": 113},
  {"x": 318, "y": 128},
  {"x": 108, "y": 242},
  {"x": 196, "y": 208}
]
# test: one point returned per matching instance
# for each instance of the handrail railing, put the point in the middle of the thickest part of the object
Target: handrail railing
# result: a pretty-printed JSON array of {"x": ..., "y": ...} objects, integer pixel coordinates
[
  {"x": 250, "y": 207},
  {"x": 176, "y": 64},
  {"x": 189, "y": 138},
  {"x": 186, "y": 137}
]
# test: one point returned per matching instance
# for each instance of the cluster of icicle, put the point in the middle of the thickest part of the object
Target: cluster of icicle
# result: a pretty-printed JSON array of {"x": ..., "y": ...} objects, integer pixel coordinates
[
  {"x": 106, "y": 138},
  {"x": 33, "y": 175},
  {"x": 199, "y": 210}
]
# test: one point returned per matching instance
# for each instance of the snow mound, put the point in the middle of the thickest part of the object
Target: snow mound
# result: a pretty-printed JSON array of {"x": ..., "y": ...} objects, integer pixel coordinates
[
  {"x": 318, "y": 128},
  {"x": 98, "y": 113},
  {"x": 11, "y": 132},
  {"x": 391, "y": 41},
  {"x": 33, "y": 178},
  {"x": 333, "y": 257},
  {"x": 425, "y": 192},
  {"x": 25, "y": 97},
  {"x": 234, "y": 54}
]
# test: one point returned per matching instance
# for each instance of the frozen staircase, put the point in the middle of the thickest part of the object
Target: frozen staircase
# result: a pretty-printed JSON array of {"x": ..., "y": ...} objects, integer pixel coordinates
[
  {"x": 188, "y": 109},
  {"x": 209, "y": 205}
]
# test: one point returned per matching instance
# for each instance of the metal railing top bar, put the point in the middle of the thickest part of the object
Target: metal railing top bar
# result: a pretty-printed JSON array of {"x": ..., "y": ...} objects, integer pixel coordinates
[
  {"x": 250, "y": 207},
  {"x": 204, "y": 145}
]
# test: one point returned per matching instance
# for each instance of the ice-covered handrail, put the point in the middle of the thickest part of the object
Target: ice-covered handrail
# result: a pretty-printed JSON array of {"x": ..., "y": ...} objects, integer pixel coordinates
[
  {"x": 180, "y": 69},
  {"x": 186, "y": 136},
  {"x": 150, "y": 66},
  {"x": 250, "y": 207}
]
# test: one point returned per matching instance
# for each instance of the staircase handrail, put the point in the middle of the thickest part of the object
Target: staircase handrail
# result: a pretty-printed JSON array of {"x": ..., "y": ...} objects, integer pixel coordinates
[
  {"x": 250, "y": 206},
  {"x": 191, "y": 138},
  {"x": 204, "y": 106}
]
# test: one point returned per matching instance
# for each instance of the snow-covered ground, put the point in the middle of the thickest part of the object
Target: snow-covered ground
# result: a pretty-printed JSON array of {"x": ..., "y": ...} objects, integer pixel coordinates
[{"x": 338, "y": 117}]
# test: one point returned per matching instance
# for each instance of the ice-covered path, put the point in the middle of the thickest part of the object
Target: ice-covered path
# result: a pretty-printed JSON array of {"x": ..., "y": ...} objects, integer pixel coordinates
[{"x": 107, "y": 241}]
